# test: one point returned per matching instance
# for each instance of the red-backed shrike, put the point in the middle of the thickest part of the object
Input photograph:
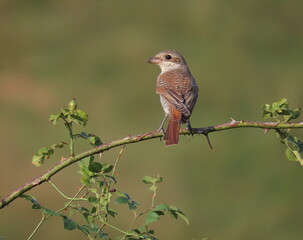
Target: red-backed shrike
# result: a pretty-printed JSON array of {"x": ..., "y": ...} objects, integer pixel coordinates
[{"x": 178, "y": 92}]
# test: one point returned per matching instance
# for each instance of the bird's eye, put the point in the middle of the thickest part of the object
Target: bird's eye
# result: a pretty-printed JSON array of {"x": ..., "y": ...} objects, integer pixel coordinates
[{"x": 168, "y": 57}]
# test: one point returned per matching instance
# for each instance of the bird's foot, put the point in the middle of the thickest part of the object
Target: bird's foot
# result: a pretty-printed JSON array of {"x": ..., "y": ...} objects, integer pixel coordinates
[
  {"x": 190, "y": 129},
  {"x": 161, "y": 129}
]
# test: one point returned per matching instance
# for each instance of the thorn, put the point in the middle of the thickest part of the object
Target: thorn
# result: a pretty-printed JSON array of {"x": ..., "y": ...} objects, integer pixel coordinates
[
  {"x": 128, "y": 137},
  {"x": 209, "y": 143},
  {"x": 266, "y": 130},
  {"x": 62, "y": 159},
  {"x": 233, "y": 121}
]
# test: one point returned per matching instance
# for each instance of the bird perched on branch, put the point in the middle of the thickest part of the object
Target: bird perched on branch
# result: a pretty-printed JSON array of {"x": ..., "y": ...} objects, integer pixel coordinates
[{"x": 178, "y": 92}]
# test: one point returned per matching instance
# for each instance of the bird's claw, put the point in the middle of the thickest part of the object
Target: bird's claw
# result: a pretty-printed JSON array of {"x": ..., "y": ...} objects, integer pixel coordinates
[{"x": 190, "y": 129}]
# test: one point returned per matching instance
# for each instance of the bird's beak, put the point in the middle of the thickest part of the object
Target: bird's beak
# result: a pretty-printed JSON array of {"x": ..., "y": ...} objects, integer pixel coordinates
[{"x": 153, "y": 60}]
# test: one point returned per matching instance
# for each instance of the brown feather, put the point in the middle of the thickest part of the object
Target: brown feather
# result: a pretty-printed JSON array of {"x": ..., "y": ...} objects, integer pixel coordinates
[
  {"x": 179, "y": 88},
  {"x": 172, "y": 132}
]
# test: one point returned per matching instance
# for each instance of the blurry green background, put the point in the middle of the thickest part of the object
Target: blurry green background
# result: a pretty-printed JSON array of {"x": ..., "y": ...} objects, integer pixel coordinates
[{"x": 242, "y": 54}]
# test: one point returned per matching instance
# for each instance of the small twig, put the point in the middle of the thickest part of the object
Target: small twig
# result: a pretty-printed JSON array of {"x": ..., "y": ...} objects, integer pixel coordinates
[
  {"x": 71, "y": 135},
  {"x": 108, "y": 184},
  {"x": 117, "y": 229},
  {"x": 37, "y": 227},
  {"x": 44, "y": 218},
  {"x": 63, "y": 195},
  {"x": 117, "y": 160},
  {"x": 154, "y": 197}
]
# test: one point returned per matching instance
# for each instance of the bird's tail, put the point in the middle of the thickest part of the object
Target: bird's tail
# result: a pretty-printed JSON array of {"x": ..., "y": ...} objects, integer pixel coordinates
[{"x": 172, "y": 132}]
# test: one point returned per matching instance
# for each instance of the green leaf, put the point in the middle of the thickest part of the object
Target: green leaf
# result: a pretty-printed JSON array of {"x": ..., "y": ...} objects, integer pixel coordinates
[
  {"x": 294, "y": 143},
  {"x": 45, "y": 153},
  {"x": 41, "y": 155},
  {"x": 161, "y": 207},
  {"x": 38, "y": 160},
  {"x": 69, "y": 224},
  {"x": 85, "y": 162},
  {"x": 267, "y": 111},
  {"x": 280, "y": 105},
  {"x": 89, "y": 228},
  {"x": 148, "y": 180},
  {"x": 84, "y": 135},
  {"x": 296, "y": 113},
  {"x": 79, "y": 117},
  {"x": 280, "y": 108},
  {"x": 55, "y": 117},
  {"x": 293, "y": 114},
  {"x": 141, "y": 229},
  {"x": 121, "y": 200},
  {"x": 87, "y": 216},
  {"x": 51, "y": 212},
  {"x": 93, "y": 200},
  {"x": 93, "y": 210},
  {"x": 290, "y": 155},
  {"x": 175, "y": 213},
  {"x": 122, "y": 194},
  {"x": 298, "y": 156},
  {"x": 181, "y": 215},
  {"x": 151, "y": 231},
  {"x": 159, "y": 179},
  {"x": 100, "y": 183},
  {"x": 112, "y": 212},
  {"x": 33, "y": 200},
  {"x": 70, "y": 114},
  {"x": 95, "y": 167},
  {"x": 152, "y": 217},
  {"x": 112, "y": 178},
  {"x": 153, "y": 188},
  {"x": 104, "y": 236},
  {"x": 159, "y": 212},
  {"x": 94, "y": 140},
  {"x": 107, "y": 168},
  {"x": 86, "y": 228},
  {"x": 132, "y": 205},
  {"x": 86, "y": 181}
]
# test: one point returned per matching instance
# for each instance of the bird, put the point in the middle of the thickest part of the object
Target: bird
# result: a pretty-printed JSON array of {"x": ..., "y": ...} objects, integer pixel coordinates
[{"x": 178, "y": 92}]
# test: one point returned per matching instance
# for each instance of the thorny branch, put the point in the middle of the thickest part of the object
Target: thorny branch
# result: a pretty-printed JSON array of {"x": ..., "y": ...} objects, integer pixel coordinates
[{"x": 138, "y": 138}]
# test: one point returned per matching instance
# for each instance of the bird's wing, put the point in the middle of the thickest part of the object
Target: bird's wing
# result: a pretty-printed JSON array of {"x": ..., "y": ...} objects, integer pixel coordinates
[
  {"x": 179, "y": 89},
  {"x": 176, "y": 98},
  {"x": 190, "y": 97}
]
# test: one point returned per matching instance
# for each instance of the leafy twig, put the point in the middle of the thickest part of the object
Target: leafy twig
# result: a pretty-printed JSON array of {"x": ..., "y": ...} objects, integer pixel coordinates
[{"x": 138, "y": 138}]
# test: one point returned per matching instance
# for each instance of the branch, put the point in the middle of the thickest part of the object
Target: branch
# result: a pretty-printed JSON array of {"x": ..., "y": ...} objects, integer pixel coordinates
[{"x": 138, "y": 138}]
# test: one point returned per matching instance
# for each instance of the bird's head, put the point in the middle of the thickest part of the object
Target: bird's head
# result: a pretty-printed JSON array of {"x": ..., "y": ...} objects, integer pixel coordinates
[{"x": 169, "y": 60}]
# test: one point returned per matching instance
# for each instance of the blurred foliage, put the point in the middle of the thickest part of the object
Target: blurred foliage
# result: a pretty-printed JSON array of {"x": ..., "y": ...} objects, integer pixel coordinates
[
  {"x": 280, "y": 109},
  {"x": 242, "y": 54},
  {"x": 98, "y": 180}
]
